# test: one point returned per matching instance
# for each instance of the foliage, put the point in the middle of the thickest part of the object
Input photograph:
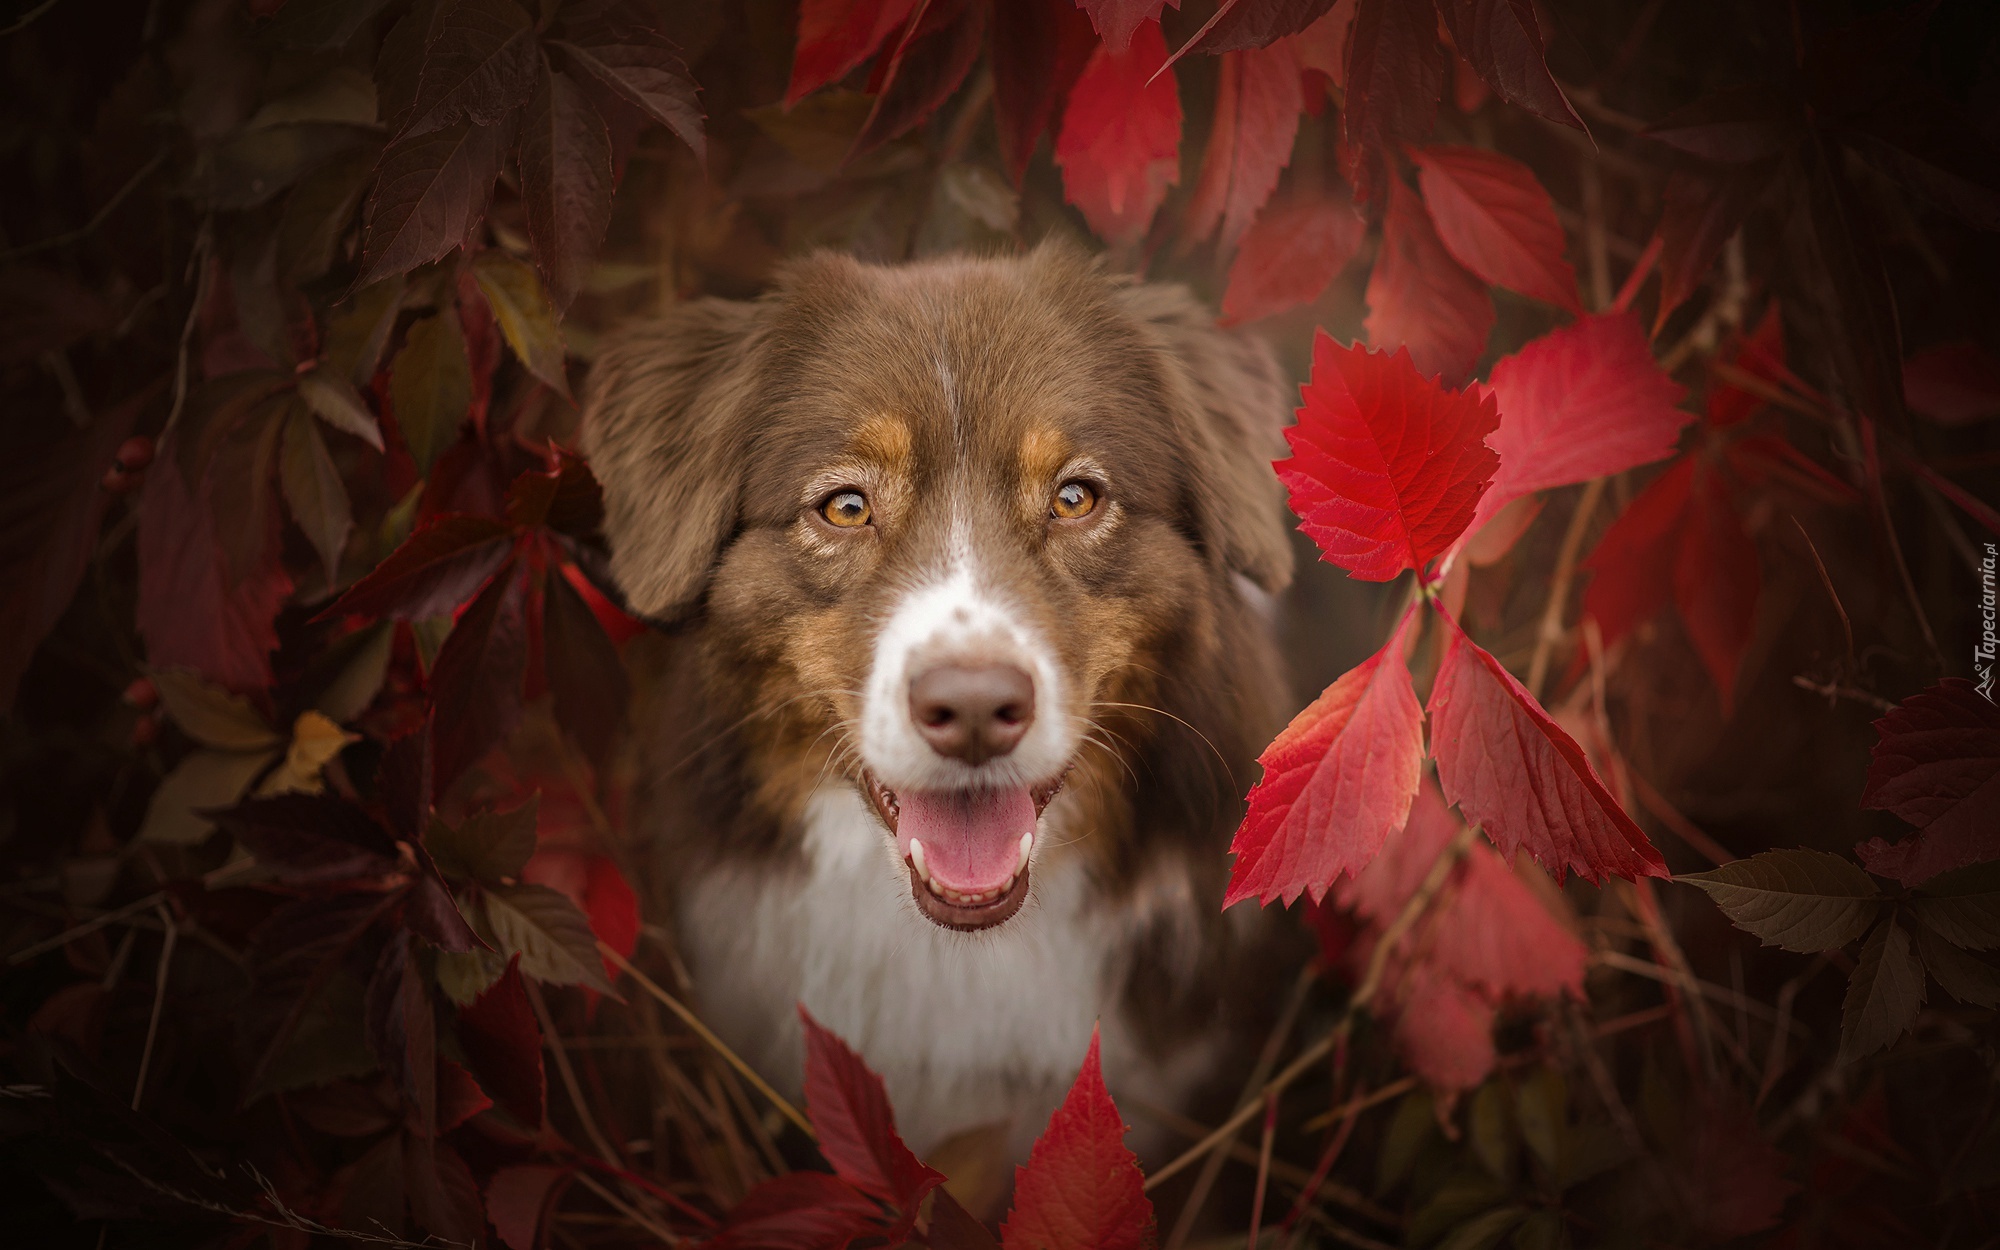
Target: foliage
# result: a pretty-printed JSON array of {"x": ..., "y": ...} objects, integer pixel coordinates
[{"x": 1650, "y": 385}]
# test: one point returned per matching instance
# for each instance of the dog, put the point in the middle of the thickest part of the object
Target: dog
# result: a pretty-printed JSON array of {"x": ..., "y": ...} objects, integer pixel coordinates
[{"x": 966, "y": 570}]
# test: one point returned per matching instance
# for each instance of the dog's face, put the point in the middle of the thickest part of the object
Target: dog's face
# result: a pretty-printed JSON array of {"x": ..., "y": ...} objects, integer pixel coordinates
[{"x": 944, "y": 525}]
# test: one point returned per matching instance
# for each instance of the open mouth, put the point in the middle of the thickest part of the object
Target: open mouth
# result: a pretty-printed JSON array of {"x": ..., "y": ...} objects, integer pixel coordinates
[{"x": 967, "y": 850}]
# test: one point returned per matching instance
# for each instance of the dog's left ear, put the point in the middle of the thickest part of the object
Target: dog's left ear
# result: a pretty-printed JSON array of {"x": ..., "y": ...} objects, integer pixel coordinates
[{"x": 1239, "y": 401}]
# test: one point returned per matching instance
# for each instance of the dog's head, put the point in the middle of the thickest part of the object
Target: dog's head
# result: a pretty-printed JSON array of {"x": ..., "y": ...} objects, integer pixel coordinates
[{"x": 938, "y": 524}]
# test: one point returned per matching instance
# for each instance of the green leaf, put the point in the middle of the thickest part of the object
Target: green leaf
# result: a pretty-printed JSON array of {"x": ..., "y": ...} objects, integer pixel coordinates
[
  {"x": 1884, "y": 994},
  {"x": 1540, "y": 1105},
  {"x": 488, "y": 847},
  {"x": 334, "y": 400},
  {"x": 1414, "y": 1122},
  {"x": 328, "y": 1043},
  {"x": 550, "y": 935},
  {"x": 1798, "y": 899},
  {"x": 431, "y": 386},
  {"x": 358, "y": 330},
  {"x": 1490, "y": 1127},
  {"x": 366, "y": 654},
  {"x": 203, "y": 780},
  {"x": 1544, "y": 1230},
  {"x": 1485, "y": 1231},
  {"x": 1965, "y": 977},
  {"x": 1463, "y": 1197},
  {"x": 527, "y": 318},
  {"x": 211, "y": 715},
  {"x": 314, "y": 491},
  {"x": 1963, "y": 907}
]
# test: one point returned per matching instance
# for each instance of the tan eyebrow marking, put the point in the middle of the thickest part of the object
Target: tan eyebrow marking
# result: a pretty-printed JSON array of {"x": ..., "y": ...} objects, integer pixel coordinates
[{"x": 883, "y": 439}]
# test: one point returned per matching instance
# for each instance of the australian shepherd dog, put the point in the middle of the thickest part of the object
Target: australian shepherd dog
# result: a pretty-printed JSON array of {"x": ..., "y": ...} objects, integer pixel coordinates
[{"x": 966, "y": 568}]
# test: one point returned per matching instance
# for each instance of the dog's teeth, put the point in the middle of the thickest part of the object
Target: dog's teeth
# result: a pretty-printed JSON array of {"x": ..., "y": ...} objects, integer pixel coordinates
[
  {"x": 1027, "y": 841},
  {"x": 1009, "y": 886},
  {"x": 917, "y": 858}
]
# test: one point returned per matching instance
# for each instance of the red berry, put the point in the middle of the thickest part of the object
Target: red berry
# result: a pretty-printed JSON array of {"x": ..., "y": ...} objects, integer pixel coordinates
[
  {"x": 135, "y": 453},
  {"x": 118, "y": 481},
  {"x": 145, "y": 730},
  {"x": 142, "y": 694}
]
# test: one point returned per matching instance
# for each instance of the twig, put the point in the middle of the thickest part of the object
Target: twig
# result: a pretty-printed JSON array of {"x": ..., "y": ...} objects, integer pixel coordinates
[
  {"x": 554, "y": 1040},
  {"x": 1358, "y": 1104},
  {"x": 1834, "y": 690},
  {"x": 1872, "y": 460},
  {"x": 101, "y": 215},
  {"x": 625, "y": 1209},
  {"x": 1412, "y": 911},
  {"x": 1774, "y": 1059},
  {"x": 1263, "y": 1166},
  {"x": 204, "y": 240},
  {"x": 1289, "y": 1173},
  {"x": 1551, "y": 631},
  {"x": 1709, "y": 989},
  {"x": 1670, "y": 816},
  {"x": 1327, "y": 1158},
  {"x": 1635, "y": 281},
  {"x": 1596, "y": 245},
  {"x": 159, "y": 1000},
  {"x": 706, "y": 1034},
  {"x": 1846, "y": 626}
]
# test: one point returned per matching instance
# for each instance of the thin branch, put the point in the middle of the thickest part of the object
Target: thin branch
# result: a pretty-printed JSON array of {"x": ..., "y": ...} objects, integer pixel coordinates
[
  {"x": 1551, "y": 631},
  {"x": 553, "y": 1038},
  {"x": 625, "y": 1209},
  {"x": 101, "y": 215},
  {"x": 159, "y": 1000},
  {"x": 1670, "y": 816},
  {"x": 1832, "y": 690},
  {"x": 1263, "y": 1166}
]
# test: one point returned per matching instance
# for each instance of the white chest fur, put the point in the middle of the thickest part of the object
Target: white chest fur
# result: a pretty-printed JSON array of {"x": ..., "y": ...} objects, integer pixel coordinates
[{"x": 966, "y": 1028}]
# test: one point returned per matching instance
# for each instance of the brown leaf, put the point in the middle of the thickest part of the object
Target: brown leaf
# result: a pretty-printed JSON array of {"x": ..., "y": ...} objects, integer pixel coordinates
[
  {"x": 314, "y": 491},
  {"x": 565, "y": 182},
  {"x": 431, "y": 192}
]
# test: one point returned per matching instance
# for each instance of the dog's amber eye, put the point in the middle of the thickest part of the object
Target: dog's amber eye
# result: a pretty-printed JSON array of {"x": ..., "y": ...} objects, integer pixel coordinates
[
  {"x": 1073, "y": 500},
  {"x": 847, "y": 509}
]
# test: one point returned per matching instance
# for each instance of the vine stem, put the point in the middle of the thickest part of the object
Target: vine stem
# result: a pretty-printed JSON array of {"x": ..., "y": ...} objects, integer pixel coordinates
[
  {"x": 568, "y": 1073},
  {"x": 1551, "y": 630},
  {"x": 159, "y": 1000},
  {"x": 1371, "y": 983}
]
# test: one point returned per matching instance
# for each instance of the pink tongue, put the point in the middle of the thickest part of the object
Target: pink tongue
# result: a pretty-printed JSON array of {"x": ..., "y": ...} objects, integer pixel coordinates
[{"x": 972, "y": 838}]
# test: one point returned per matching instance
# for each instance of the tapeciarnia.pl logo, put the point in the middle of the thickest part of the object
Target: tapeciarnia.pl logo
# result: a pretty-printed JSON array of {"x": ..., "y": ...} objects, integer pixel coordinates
[{"x": 1988, "y": 646}]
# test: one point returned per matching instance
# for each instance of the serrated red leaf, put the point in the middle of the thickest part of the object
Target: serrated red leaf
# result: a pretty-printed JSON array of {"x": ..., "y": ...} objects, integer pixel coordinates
[
  {"x": 1496, "y": 219},
  {"x": 797, "y": 1211},
  {"x": 1761, "y": 355},
  {"x": 927, "y": 66},
  {"x": 617, "y": 42},
  {"x": 850, "y": 1111},
  {"x": 1119, "y": 147},
  {"x": 565, "y": 182},
  {"x": 476, "y": 684},
  {"x": 1627, "y": 585},
  {"x": 1240, "y": 25},
  {"x": 1697, "y": 216},
  {"x": 1118, "y": 22},
  {"x": 1395, "y": 73},
  {"x": 430, "y": 194},
  {"x": 1337, "y": 783},
  {"x": 837, "y": 35},
  {"x": 1511, "y": 769},
  {"x": 1038, "y": 49},
  {"x": 1716, "y": 581},
  {"x": 519, "y": 1199},
  {"x": 1937, "y": 766},
  {"x": 478, "y": 65},
  {"x": 1256, "y": 118},
  {"x": 433, "y": 572},
  {"x": 1503, "y": 41},
  {"x": 1081, "y": 1189},
  {"x": 1955, "y": 383},
  {"x": 503, "y": 1044},
  {"x": 1289, "y": 255},
  {"x": 459, "y": 1097},
  {"x": 1443, "y": 1030},
  {"x": 1582, "y": 401},
  {"x": 1422, "y": 299},
  {"x": 1387, "y": 466}
]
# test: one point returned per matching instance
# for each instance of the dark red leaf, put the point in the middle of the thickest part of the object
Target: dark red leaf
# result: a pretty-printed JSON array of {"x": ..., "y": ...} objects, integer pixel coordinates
[
  {"x": 837, "y": 35},
  {"x": 797, "y": 1211},
  {"x": 1730, "y": 1177},
  {"x": 1629, "y": 583},
  {"x": 612, "y": 907},
  {"x": 1503, "y": 41},
  {"x": 478, "y": 65},
  {"x": 1387, "y": 466},
  {"x": 1337, "y": 783},
  {"x": 444, "y": 1195},
  {"x": 503, "y": 1046},
  {"x": 1422, "y": 299},
  {"x": 1497, "y": 220},
  {"x": 1239, "y": 25},
  {"x": 1697, "y": 218},
  {"x": 1290, "y": 255},
  {"x": 403, "y": 1030},
  {"x": 403, "y": 782},
  {"x": 1732, "y": 126},
  {"x": 303, "y": 838},
  {"x": 519, "y": 1199},
  {"x": 1256, "y": 118},
  {"x": 430, "y": 195},
  {"x": 1937, "y": 766},
  {"x": 1081, "y": 1187},
  {"x": 430, "y": 912},
  {"x": 1443, "y": 1030},
  {"x": 1119, "y": 21},
  {"x": 294, "y": 954},
  {"x": 1512, "y": 770},
  {"x": 1395, "y": 73},
  {"x": 433, "y": 572},
  {"x": 857, "y": 1130},
  {"x": 617, "y": 42},
  {"x": 928, "y": 65},
  {"x": 1119, "y": 147},
  {"x": 952, "y": 1226},
  {"x": 584, "y": 671},
  {"x": 476, "y": 684},
  {"x": 565, "y": 183},
  {"x": 1716, "y": 582},
  {"x": 1762, "y": 355},
  {"x": 1953, "y": 384},
  {"x": 459, "y": 1097},
  {"x": 1038, "y": 49}
]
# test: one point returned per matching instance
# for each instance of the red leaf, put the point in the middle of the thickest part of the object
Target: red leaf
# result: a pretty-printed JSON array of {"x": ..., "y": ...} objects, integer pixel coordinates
[
  {"x": 1497, "y": 221},
  {"x": 1731, "y": 1178},
  {"x": 1954, "y": 383},
  {"x": 1256, "y": 118},
  {"x": 1081, "y": 1188},
  {"x": 797, "y": 1211},
  {"x": 1395, "y": 73},
  {"x": 1420, "y": 298},
  {"x": 1039, "y": 48},
  {"x": 617, "y": 43},
  {"x": 584, "y": 672},
  {"x": 1502, "y": 40},
  {"x": 857, "y": 1130},
  {"x": 1387, "y": 466},
  {"x": 192, "y": 613},
  {"x": 1696, "y": 218},
  {"x": 459, "y": 1097},
  {"x": 565, "y": 182},
  {"x": 402, "y": 1028},
  {"x": 928, "y": 65},
  {"x": 1321, "y": 48},
  {"x": 1119, "y": 21},
  {"x": 1337, "y": 783},
  {"x": 1512, "y": 770},
  {"x": 431, "y": 192},
  {"x": 519, "y": 1199},
  {"x": 1761, "y": 355},
  {"x": 476, "y": 682},
  {"x": 837, "y": 35},
  {"x": 478, "y": 65},
  {"x": 1766, "y": 459},
  {"x": 503, "y": 1045},
  {"x": 612, "y": 619},
  {"x": 1937, "y": 766},
  {"x": 1627, "y": 585},
  {"x": 1716, "y": 581},
  {"x": 1582, "y": 401},
  {"x": 1291, "y": 253},
  {"x": 1239, "y": 25},
  {"x": 1119, "y": 147},
  {"x": 1443, "y": 1030},
  {"x": 433, "y": 572}
]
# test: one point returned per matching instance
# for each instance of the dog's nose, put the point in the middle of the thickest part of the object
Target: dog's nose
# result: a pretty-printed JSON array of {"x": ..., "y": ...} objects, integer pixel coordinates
[{"x": 972, "y": 713}]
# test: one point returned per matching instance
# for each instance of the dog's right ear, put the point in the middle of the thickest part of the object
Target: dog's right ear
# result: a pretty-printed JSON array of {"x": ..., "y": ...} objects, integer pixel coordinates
[{"x": 667, "y": 398}]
